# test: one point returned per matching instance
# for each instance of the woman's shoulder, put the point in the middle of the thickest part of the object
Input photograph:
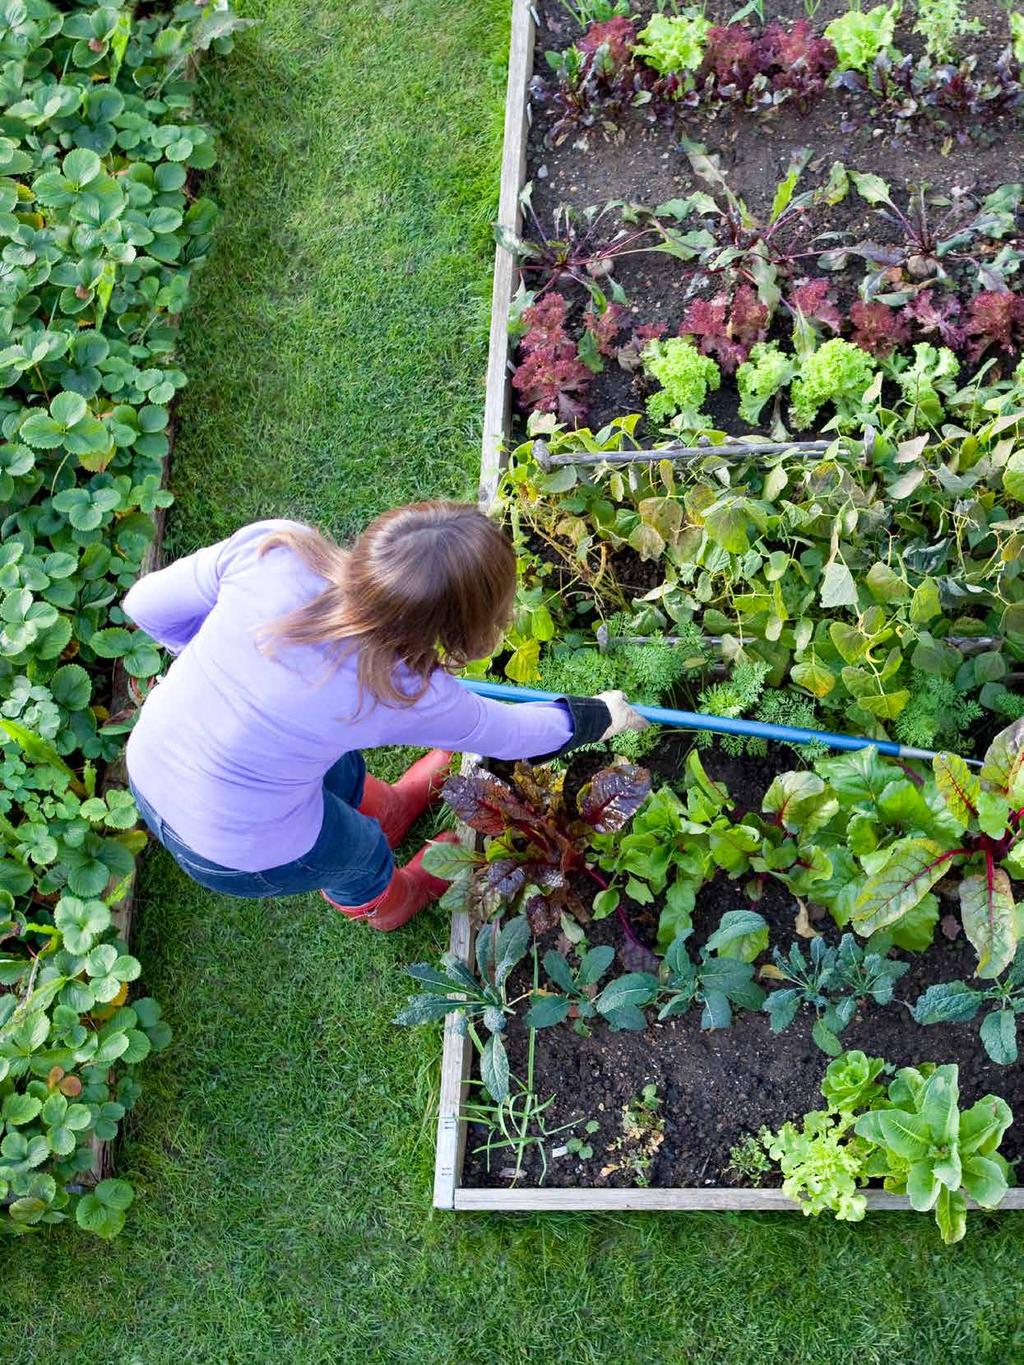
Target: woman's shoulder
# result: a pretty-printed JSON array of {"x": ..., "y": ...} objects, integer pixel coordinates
[{"x": 248, "y": 545}]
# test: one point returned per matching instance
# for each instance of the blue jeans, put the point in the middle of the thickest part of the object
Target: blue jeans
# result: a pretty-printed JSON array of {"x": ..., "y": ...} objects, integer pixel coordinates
[{"x": 350, "y": 861}]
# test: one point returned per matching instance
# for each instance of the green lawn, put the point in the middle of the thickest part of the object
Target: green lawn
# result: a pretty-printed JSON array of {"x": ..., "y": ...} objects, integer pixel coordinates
[{"x": 283, "y": 1148}]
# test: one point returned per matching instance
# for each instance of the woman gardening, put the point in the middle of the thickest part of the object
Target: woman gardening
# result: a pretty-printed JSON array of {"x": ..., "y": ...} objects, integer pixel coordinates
[{"x": 293, "y": 655}]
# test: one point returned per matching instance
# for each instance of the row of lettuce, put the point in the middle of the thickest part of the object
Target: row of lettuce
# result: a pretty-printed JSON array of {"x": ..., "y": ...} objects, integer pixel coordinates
[
  {"x": 101, "y": 230},
  {"x": 683, "y": 64}
]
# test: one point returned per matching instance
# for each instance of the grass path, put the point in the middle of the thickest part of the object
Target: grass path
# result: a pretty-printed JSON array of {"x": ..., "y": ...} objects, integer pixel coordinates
[{"x": 283, "y": 1147}]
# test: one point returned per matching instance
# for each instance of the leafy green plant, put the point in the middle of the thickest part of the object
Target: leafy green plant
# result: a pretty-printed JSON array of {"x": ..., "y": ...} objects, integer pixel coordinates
[
  {"x": 619, "y": 1004},
  {"x": 723, "y": 975},
  {"x": 942, "y": 23},
  {"x": 516, "y": 1120},
  {"x": 587, "y": 12},
  {"x": 480, "y": 996},
  {"x": 862, "y": 620},
  {"x": 749, "y": 1162},
  {"x": 914, "y": 1137},
  {"x": 834, "y": 982},
  {"x": 956, "y": 1002},
  {"x": 759, "y": 378},
  {"x": 534, "y": 843},
  {"x": 962, "y": 821},
  {"x": 653, "y": 858},
  {"x": 860, "y": 36},
  {"x": 674, "y": 44},
  {"x": 821, "y": 1169},
  {"x": 1016, "y": 20},
  {"x": 839, "y": 373},
  {"x": 580, "y": 1147},
  {"x": 686, "y": 377},
  {"x": 102, "y": 236},
  {"x": 924, "y": 1146}
]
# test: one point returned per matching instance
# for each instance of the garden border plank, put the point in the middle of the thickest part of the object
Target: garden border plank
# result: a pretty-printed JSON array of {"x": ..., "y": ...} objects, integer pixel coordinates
[
  {"x": 449, "y": 1192},
  {"x": 116, "y": 775},
  {"x": 498, "y": 393}
]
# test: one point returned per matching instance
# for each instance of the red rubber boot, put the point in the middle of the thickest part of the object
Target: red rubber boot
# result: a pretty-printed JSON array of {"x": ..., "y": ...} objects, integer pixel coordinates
[
  {"x": 397, "y": 808},
  {"x": 412, "y": 887}
]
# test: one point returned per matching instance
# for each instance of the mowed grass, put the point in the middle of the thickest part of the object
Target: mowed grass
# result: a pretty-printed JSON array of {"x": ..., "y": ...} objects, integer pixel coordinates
[{"x": 283, "y": 1148}]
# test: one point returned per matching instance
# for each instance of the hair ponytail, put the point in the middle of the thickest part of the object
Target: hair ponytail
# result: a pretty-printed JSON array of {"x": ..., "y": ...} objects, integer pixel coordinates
[{"x": 425, "y": 586}]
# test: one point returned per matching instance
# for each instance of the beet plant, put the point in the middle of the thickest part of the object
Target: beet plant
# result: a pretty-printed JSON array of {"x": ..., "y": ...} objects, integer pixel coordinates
[{"x": 536, "y": 846}]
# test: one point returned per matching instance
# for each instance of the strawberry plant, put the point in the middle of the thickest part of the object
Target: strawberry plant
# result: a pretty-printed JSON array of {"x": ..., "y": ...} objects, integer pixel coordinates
[{"x": 102, "y": 235}]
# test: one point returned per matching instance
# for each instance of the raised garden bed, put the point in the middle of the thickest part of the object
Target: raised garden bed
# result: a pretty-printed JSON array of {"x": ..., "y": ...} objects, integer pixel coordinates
[{"x": 714, "y": 1087}]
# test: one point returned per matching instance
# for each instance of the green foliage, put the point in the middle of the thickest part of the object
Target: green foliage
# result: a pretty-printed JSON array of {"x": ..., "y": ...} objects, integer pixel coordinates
[
  {"x": 839, "y": 373},
  {"x": 851, "y": 1082},
  {"x": 674, "y": 44},
  {"x": 60, "y": 1041},
  {"x": 859, "y": 36},
  {"x": 908, "y": 836},
  {"x": 913, "y": 1137},
  {"x": 936, "y": 714},
  {"x": 101, "y": 239},
  {"x": 924, "y": 1146},
  {"x": 821, "y": 1169},
  {"x": 749, "y": 1162},
  {"x": 926, "y": 379},
  {"x": 686, "y": 376},
  {"x": 620, "y": 1003},
  {"x": 454, "y": 988},
  {"x": 856, "y": 618},
  {"x": 942, "y": 23},
  {"x": 760, "y": 378},
  {"x": 834, "y": 982},
  {"x": 1016, "y": 19},
  {"x": 956, "y": 1002},
  {"x": 718, "y": 980}
]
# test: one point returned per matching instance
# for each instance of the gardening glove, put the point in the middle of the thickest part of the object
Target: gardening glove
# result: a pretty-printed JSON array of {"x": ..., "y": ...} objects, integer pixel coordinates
[{"x": 621, "y": 714}]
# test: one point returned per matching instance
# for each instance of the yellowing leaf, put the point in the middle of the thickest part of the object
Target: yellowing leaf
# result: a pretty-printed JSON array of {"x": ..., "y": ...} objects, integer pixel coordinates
[
  {"x": 960, "y": 788},
  {"x": 925, "y": 604},
  {"x": 988, "y": 913},
  {"x": 914, "y": 866}
]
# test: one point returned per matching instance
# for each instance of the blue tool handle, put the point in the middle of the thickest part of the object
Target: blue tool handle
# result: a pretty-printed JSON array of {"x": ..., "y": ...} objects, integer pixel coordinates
[{"x": 694, "y": 720}]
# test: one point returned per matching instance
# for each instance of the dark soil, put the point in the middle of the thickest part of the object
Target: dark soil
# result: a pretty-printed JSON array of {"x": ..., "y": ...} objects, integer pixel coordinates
[
  {"x": 644, "y": 162},
  {"x": 717, "y": 1087}
]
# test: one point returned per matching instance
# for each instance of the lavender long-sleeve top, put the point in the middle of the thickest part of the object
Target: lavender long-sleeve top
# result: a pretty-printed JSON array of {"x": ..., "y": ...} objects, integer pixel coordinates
[{"x": 231, "y": 748}]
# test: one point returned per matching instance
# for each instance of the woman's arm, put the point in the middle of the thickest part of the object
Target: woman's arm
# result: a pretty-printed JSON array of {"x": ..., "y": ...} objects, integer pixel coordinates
[
  {"x": 449, "y": 717},
  {"x": 171, "y": 604}
]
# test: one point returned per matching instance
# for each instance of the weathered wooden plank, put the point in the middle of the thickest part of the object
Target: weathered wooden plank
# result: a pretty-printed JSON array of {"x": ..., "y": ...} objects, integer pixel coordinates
[
  {"x": 456, "y": 1060},
  {"x": 513, "y": 172},
  {"x": 650, "y": 1200},
  {"x": 116, "y": 775}
]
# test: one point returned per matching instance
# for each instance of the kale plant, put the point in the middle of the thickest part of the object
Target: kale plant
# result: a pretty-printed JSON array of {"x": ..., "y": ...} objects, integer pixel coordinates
[
  {"x": 834, "y": 982},
  {"x": 956, "y": 1002}
]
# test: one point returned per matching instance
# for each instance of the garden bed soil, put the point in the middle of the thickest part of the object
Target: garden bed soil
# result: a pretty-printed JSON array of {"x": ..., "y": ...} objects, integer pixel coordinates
[
  {"x": 644, "y": 162},
  {"x": 717, "y": 1087}
]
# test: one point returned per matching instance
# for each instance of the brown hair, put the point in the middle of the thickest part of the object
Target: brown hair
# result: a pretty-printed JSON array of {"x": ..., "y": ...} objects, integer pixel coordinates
[{"x": 427, "y": 585}]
